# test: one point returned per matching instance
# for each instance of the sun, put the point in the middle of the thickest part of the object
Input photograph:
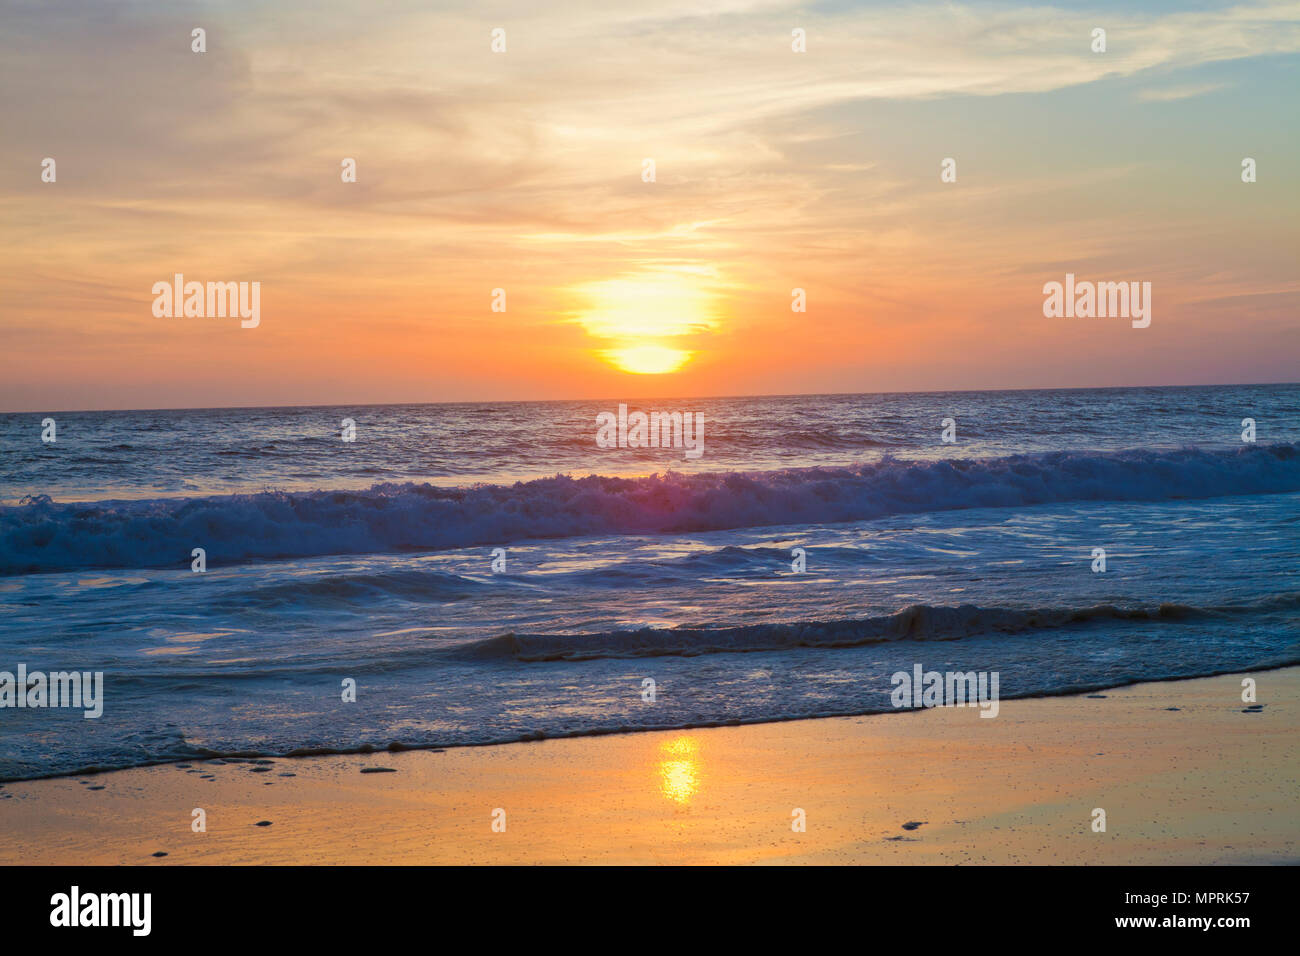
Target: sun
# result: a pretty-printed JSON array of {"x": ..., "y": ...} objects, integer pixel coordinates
[
  {"x": 648, "y": 359},
  {"x": 641, "y": 315}
]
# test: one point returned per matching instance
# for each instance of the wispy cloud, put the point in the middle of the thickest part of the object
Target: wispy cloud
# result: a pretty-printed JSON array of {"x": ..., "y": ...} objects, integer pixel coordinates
[
  {"x": 478, "y": 170},
  {"x": 1170, "y": 93}
]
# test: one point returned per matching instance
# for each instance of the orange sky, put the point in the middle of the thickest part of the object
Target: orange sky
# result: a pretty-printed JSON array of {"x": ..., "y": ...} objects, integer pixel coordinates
[{"x": 522, "y": 171}]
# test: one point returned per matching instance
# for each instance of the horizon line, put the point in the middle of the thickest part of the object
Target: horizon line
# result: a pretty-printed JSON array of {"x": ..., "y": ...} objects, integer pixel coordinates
[{"x": 627, "y": 400}]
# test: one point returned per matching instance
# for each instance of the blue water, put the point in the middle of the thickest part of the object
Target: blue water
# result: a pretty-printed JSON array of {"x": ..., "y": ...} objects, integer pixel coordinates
[{"x": 371, "y": 560}]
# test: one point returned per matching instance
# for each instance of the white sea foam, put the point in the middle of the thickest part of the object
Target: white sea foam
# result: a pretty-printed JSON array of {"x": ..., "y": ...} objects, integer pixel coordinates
[{"x": 42, "y": 535}]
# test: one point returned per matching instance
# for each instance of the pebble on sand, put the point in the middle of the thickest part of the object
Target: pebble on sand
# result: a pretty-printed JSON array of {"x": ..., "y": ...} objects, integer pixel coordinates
[{"x": 378, "y": 770}]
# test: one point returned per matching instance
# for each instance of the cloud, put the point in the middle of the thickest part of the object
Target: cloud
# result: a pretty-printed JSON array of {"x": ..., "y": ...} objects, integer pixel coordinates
[
  {"x": 479, "y": 169},
  {"x": 1170, "y": 93}
]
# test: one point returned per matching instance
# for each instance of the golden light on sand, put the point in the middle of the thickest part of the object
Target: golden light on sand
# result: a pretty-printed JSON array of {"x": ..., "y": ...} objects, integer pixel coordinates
[
  {"x": 679, "y": 773},
  {"x": 648, "y": 359}
]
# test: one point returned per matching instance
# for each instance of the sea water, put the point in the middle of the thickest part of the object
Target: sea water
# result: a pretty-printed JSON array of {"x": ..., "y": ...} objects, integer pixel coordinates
[{"x": 488, "y": 573}]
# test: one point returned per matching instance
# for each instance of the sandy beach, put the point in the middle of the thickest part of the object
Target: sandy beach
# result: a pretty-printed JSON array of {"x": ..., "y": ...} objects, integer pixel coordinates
[{"x": 1183, "y": 772}]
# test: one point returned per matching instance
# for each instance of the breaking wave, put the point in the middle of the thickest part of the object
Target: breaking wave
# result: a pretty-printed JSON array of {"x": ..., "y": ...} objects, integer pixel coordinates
[{"x": 43, "y": 535}]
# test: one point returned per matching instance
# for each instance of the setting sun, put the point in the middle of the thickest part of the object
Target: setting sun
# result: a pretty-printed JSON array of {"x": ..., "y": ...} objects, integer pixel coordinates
[
  {"x": 711, "y": 434},
  {"x": 642, "y": 314},
  {"x": 648, "y": 359}
]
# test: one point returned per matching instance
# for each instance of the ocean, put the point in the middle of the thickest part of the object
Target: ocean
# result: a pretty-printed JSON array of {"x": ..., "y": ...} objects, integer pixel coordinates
[{"x": 484, "y": 573}]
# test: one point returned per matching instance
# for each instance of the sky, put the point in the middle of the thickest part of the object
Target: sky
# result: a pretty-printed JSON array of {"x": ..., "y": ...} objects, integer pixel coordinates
[{"x": 525, "y": 171}]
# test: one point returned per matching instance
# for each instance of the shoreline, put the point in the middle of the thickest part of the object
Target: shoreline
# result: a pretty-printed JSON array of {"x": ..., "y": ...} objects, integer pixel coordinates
[
  {"x": 307, "y": 753},
  {"x": 1182, "y": 772}
]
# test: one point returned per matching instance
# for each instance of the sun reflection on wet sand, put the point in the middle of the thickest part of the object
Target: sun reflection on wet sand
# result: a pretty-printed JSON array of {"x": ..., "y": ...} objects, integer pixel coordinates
[{"x": 679, "y": 771}]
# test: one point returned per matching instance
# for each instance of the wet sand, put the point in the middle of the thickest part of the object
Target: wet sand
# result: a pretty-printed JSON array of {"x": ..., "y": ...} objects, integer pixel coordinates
[{"x": 1183, "y": 773}]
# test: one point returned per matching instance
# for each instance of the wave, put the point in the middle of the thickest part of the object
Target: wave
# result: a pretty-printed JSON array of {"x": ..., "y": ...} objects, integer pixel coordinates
[
  {"x": 351, "y": 589},
  {"x": 919, "y": 622},
  {"x": 169, "y": 751},
  {"x": 42, "y": 535}
]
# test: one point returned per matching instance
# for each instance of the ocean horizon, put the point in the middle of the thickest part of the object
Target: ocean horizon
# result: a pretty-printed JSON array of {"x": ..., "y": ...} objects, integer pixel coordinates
[{"x": 486, "y": 572}]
